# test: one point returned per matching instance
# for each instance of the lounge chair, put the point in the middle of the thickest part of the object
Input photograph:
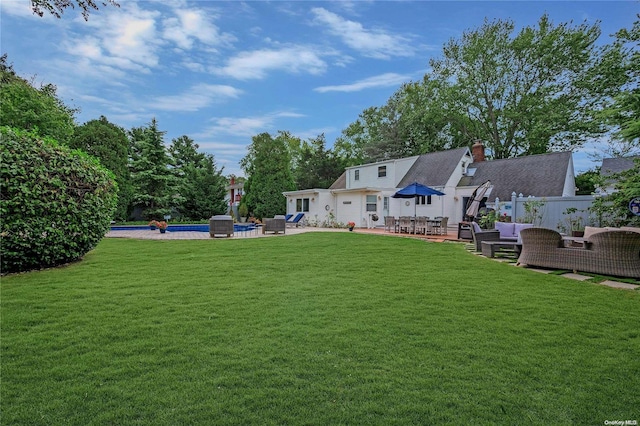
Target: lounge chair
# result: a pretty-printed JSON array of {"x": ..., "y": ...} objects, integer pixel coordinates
[
  {"x": 287, "y": 217},
  {"x": 296, "y": 220}
]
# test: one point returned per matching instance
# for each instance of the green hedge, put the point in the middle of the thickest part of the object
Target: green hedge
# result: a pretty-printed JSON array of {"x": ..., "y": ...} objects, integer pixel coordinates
[{"x": 56, "y": 203}]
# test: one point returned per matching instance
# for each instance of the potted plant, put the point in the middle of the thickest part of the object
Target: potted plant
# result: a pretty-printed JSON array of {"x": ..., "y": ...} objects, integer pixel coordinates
[
  {"x": 243, "y": 212},
  {"x": 351, "y": 225},
  {"x": 162, "y": 226},
  {"x": 153, "y": 225}
]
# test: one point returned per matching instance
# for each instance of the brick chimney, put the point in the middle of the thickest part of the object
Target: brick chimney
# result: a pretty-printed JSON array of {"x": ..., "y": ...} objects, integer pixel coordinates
[{"x": 477, "y": 151}]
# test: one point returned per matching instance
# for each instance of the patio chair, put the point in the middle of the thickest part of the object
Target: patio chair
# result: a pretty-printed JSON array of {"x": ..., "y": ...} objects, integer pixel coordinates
[
  {"x": 421, "y": 225},
  {"x": 287, "y": 217},
  {"x": 441, "y": 228},
  {"x": 404, "y": 223},
  {"x": 296, "y": 220},
  {"x": 390, "y": 223},
  {"x": 480, "y": 235}
]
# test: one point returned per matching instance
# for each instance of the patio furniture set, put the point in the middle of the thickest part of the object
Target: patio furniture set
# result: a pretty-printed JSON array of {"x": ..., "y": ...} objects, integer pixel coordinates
[
  {"x": 606, "y": 251},
  {"x": 416, "y": 225}
]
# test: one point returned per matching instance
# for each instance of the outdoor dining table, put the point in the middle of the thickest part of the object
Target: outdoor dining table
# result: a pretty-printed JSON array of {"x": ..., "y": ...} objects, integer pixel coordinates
[{"x": 431, "y": 224}]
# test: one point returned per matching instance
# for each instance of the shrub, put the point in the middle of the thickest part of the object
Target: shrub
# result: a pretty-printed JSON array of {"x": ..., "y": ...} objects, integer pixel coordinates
[{"x": 56, "y": 203}]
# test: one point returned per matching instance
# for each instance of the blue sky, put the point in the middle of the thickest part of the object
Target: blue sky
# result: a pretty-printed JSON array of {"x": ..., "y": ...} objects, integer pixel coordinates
[{"x": 221, "y": 72}]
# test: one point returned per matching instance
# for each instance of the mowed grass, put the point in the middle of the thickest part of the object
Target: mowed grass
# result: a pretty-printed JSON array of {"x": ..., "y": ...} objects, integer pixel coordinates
[{"x": 318, "y": 328}]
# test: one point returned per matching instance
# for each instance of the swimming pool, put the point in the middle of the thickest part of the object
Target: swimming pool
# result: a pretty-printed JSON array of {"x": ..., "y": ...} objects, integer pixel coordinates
[{"x": 237, "y": 227}]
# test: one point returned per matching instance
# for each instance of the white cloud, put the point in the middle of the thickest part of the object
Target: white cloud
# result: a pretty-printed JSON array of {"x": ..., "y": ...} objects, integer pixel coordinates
[
  {"x": 124, "y": 38},
  {"x": 197, "y": 97},
  {"x": 255, "y": 64},
  {"x": 245, "y": 126},
  {"x": 194, "y": 24},
  {"x": 19, "y": 8},
  {"x": 383, "y": 80},
  {"x": 374, "y": 43}
]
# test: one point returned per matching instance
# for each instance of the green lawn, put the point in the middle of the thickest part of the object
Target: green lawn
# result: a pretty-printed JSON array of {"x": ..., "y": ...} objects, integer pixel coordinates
[{"x": 317, "y": 328}]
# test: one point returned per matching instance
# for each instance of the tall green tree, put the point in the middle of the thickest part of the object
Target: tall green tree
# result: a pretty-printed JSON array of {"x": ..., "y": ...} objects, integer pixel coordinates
[
  {"x": 154, "y": 183},
  {"x": 200, "y": 183},
  {"x": 267, "y": 166},
  {"x": 525, "y": 93},
  {"x": 317, "y": 166},
  {"x": 623, "y": 113},
  {"x": 522, "y": 93},
  {"x": 24, "y": 106},
  {"x": 109, "y": 143}
]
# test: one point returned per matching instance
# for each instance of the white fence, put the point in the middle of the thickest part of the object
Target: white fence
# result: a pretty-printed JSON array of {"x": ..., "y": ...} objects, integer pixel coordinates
[{"x": 551, "y": 213}]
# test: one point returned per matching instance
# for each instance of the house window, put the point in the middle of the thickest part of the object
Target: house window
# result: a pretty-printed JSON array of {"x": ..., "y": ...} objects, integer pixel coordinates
[
  {"x": 382, "y": 171},
  {"x": 372, "y": 203},
  {"x": 356, "y": 175},
  {"x": 302, "y": 205},
  {"x": 422, "y": 199}
]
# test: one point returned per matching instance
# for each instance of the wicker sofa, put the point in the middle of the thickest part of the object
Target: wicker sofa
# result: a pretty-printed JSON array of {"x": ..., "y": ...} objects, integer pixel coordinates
[
  {"x": 503, "y": 232},
  {"x": 609, "y": 252}
]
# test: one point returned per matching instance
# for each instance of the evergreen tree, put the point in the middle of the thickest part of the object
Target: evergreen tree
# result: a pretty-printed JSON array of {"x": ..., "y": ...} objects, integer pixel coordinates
[
  {"x": 317, "y": 167},
  {"x": 200, "y": 184},
  {"x": 154, "y": 184},
  {"x": 268, "y": 169}
]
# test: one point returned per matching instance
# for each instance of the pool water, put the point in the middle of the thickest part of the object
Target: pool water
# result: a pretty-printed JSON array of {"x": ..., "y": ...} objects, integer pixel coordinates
[{"x": 183, "y": 228}]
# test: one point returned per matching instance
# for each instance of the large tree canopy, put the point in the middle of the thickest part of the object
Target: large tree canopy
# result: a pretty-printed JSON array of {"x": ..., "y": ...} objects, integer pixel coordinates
[
  {"x": 521, "y": 93},
  {"x": 624, "y": 112}
]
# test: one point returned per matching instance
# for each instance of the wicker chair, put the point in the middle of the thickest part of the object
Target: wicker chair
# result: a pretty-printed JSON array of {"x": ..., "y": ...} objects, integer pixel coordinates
[
  {"x": 614, "y": 253},
  {"x": 275, "y": 225},
  {"x": 479, "y": 235}
]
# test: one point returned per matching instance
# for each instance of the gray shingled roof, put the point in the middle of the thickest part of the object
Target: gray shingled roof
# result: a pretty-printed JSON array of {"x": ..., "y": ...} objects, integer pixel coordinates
[
  {"x": 341, "y": 182},
  {"x": 612, "y": 166},
  {"x": 540, "y": 175},
  {"x": 433, "y": 169}
]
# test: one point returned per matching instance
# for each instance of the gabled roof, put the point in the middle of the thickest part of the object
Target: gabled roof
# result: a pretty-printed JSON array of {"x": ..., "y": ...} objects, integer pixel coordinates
[
  {"x": 433, "y": 169},
  {"x": 341, "y": 182},
  {"x": 541, "y": 175},
  {"x": 612, "y": 166}
]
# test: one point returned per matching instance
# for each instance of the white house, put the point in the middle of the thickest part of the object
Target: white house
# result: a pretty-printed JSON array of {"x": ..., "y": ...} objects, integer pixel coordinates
[{"x": 364, "y": 192}]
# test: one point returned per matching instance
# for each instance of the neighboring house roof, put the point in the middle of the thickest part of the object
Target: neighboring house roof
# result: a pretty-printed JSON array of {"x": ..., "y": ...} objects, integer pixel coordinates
[
  {"x": 542, "y": 175},
  {"x": 341, "y": 182},
  {"x": 612, "y": 166},
  {"x": 433, "y": 169}
]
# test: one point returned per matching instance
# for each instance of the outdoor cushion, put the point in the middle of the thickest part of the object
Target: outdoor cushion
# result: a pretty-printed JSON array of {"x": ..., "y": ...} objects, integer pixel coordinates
[{"x": 507, "y": 230}]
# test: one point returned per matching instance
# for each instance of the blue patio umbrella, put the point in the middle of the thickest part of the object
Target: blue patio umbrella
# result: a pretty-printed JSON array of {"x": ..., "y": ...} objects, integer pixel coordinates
[{"x": 416, "y": 190}]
